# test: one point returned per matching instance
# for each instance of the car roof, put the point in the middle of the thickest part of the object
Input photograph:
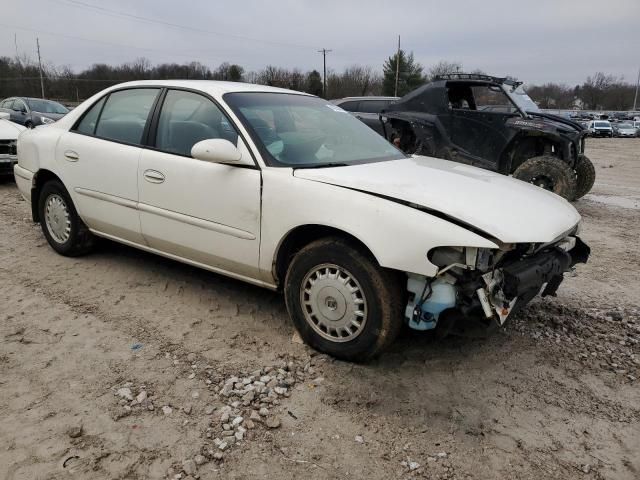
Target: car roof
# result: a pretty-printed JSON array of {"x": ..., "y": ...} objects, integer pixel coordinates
[
  {"x": 369, "y": 97},
  {"x": 213, "y": 87}
]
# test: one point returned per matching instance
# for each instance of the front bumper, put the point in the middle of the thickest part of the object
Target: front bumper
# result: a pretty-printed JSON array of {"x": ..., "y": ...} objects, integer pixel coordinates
[{"x": 6, "y": 164}]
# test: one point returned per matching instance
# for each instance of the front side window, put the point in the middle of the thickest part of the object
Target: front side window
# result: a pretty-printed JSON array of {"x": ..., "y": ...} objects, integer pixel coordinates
[
  {"x": 303, "y": 131},
  {"x": 491, "y": 98},
  {"x": 125, "y": 114},
  {"x": 187, "y": 118},
  {"x": 372, "y": 106},
  {"x": 19, "y": 106}
]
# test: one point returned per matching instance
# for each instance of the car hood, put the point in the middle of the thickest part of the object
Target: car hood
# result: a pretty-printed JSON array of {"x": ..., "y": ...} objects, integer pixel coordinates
[
  {"x": 505, "y": 208},
  {"x": 10, "y": 130}
]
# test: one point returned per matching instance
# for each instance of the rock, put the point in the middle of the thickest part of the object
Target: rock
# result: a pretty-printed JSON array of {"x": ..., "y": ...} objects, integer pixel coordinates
[
  {"x": 189, "y": 467},
  {"x": 199, "y": 459},
  {"x": 237, "y": 421},
  {"x": 75, "y": 431},
  {"x": 167, "y": 410},
  {"x": 224, "y": 418},
  {"x": 223, "y": 445},
  {"x": 296, "y": 338},
  {"x": 125, "y": 393},
  {"x": 359, "y": 439},
  {"x": 249, "y": 424},
  {"x": 195, "y": 395},
  {"x": 280, "y": 390},
  {"x": 192, "y": 376},
  {"x": 263, "y": 412},
  {"x": 248, "y": 397},
  {"x": 209, "y": 410},
  {"x": 191, "y": 357},
  {"x": 142, "y": 396},
  {"x": 187, "y": 409},
  {"x": 586, "y": 468},
  {"x": 218, "y": 456},
  {"x": 413, "y": 465},
  {"x": 272, "y": 422},
  {"x": 239, "y": 436},
  {"x": 255, "y": 416}
]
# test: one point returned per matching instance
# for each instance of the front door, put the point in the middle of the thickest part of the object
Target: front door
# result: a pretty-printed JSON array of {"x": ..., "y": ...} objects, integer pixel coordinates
[
  {"x": 99, "y": 159},
  {"x": 205, "y": 212}
]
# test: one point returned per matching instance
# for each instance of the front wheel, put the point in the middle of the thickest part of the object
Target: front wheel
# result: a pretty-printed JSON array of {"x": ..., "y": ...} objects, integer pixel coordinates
[
  {"x": 341, "y": 301},
  {"x": 62, "y": 227},
  {"x": 550, "y": 173},
  {"x": 586, "y": 173}
]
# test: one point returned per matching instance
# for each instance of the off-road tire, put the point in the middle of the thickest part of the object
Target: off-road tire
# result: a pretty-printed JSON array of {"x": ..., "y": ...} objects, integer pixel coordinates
[
  {"x": 586, "y": 173},
  {"x": 80, "y": 240},
  {"x": 550, "y": 173},
  {"x": 381, "y": 290}
]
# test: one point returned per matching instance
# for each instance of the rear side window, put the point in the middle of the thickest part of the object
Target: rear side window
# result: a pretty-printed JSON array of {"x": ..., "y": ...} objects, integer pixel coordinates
[
  {"x": 350, "y": 106},
  {"x": 187, "y": 118},
  {"x": 88, "y": 123},
  {"x": 125, "y": 114},
  {"x": 372, "y": 106}
]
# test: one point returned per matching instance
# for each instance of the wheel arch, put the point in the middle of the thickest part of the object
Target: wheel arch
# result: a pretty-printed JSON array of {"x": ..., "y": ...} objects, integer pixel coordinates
[
  {"x": 300, "y": 236},
  {"x": 525, "y": 146},
  {"x": 41, "y": 177}
]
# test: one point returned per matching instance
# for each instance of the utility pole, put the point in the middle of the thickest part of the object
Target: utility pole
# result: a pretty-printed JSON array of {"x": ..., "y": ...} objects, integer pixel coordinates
[
  {"x": 15, "y": 42},
  {"x": 324, "y": 52},
  {"x": 395, "y": 92},
  {"x": 635, "y": 99},
  {"x": 40, "y": 65}
]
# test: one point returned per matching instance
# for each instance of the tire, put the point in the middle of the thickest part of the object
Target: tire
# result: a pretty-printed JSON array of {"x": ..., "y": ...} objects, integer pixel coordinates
[
  {"x": 586, "y": 173},
  {"x": 550, "y": 173},
  {"x": 62, "y": 227},
  {"x": 330, "y": 269}
]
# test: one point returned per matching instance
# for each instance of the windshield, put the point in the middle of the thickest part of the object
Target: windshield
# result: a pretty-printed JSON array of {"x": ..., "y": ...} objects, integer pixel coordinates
[
  {"x": 46, "y": 106},
  {"x": 602, "y": 124},
  {"x": 301, "y": 131},
  {"x": 625, "y": 125},
  {"x": 521, "y": 99}
]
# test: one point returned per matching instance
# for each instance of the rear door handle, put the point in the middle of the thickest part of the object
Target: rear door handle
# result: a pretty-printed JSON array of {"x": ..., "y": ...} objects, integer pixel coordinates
[
  {"x": 71, "y": 156},
  {"x": 153, "y": 176}
]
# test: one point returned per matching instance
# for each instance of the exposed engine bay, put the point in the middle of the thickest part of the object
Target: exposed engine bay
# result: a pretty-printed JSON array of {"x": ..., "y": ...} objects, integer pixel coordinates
[{"x": 486, "y": 286}]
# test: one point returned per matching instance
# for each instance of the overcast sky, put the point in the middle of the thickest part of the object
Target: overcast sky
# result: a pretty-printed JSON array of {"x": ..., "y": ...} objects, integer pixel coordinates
[{"x": 536, "y": 41}]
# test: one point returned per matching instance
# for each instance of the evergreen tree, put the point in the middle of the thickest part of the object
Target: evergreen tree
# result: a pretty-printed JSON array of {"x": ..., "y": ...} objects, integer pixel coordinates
[{"x": 410, "y": 74}]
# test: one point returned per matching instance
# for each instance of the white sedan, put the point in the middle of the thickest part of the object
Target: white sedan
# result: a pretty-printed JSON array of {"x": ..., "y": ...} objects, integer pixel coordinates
[
  {"x": 288, "y": 191},
  {"x": 9, "y": 132}
]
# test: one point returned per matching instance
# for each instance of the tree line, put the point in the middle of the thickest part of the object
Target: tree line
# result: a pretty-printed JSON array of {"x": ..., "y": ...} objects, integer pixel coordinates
[{"x": 20, "y": 76}]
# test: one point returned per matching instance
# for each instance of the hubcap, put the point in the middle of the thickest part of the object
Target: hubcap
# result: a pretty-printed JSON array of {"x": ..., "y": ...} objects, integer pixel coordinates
[
  {"x": 333, "y": 303},
  {"x": 57, "y": 218}
]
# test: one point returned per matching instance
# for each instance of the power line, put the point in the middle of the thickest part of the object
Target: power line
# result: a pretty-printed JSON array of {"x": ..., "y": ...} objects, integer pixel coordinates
[{"x": 131, "y": 16}]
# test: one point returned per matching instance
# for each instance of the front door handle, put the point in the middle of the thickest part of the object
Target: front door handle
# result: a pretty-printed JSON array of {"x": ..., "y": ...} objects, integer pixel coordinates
[
  {"x": 71, "y": 156},
  {"x": 153, "y": 176}
]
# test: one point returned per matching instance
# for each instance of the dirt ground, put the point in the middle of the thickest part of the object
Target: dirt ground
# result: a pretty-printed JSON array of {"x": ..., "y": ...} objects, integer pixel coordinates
[{"x": 117, "y": 365}]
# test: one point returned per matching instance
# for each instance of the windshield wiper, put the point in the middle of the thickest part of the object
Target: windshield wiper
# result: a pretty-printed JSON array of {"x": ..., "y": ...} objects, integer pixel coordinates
[{"x": 321, "y": 165}]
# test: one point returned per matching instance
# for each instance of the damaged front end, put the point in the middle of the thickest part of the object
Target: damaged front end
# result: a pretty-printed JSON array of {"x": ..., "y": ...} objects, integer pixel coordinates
[{"x": 483, "y": 287}]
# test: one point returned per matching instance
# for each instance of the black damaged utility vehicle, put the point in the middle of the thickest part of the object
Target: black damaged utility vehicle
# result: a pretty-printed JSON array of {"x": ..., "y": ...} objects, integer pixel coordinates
[{"x": 491, "y": 123}]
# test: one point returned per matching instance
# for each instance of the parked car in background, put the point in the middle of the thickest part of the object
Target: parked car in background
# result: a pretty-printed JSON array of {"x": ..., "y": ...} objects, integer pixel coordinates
[
  {"x": 600, "y": 128},
  {"x": 32, "y": 112},
  {"x": 625, "y": 129},
  {"x": 636, "y": 125},
  {"x": 287, "y": 191},
  {"x": 366, "y": 109},
  {"x": 9, "y": 132}
]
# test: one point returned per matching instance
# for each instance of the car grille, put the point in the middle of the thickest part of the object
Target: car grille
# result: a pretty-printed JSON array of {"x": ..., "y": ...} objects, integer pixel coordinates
[{"x": 8, "y": 147}]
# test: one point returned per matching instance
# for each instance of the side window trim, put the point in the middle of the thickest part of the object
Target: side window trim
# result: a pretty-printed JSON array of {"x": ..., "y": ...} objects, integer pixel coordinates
[
  {"x": 155, "y": 118},
  {"x": 142, "y": 143}
]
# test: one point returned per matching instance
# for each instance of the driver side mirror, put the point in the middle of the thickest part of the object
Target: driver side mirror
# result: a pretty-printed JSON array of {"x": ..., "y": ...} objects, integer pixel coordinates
[{"x": 216, "y": 150}]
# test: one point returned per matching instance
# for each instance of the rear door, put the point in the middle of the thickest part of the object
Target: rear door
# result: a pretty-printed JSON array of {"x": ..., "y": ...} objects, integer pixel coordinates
[
  {"x": 205, "y": 212},
  {"x": 99, "y": 161}
]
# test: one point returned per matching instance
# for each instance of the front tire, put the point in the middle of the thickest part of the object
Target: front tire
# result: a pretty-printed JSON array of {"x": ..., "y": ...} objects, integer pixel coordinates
[
  {"x": 341, "y": 301},
  {"x": 62, "y": 227},
  {"x": 586, "y": 173},
  {"x": 550, "y": 173}
]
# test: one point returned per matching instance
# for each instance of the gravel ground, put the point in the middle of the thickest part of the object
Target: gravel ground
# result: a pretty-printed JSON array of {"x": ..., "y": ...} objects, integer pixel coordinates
[{"x": 122, "y": 364}]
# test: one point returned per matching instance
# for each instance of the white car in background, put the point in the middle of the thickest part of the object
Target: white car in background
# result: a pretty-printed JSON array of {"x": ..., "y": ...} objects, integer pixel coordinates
[
  {"x": 9, "y": 132},
  {"x": 288, "y": 191}
]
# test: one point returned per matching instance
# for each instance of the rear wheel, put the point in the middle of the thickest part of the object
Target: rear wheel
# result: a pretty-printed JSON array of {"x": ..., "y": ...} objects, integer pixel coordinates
[
  {"x": 62, "y": 227},
  {"x": 341, "y": 302},
  {"x": 586, "y": 173},
  {"x": 550, "y": 173}
]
